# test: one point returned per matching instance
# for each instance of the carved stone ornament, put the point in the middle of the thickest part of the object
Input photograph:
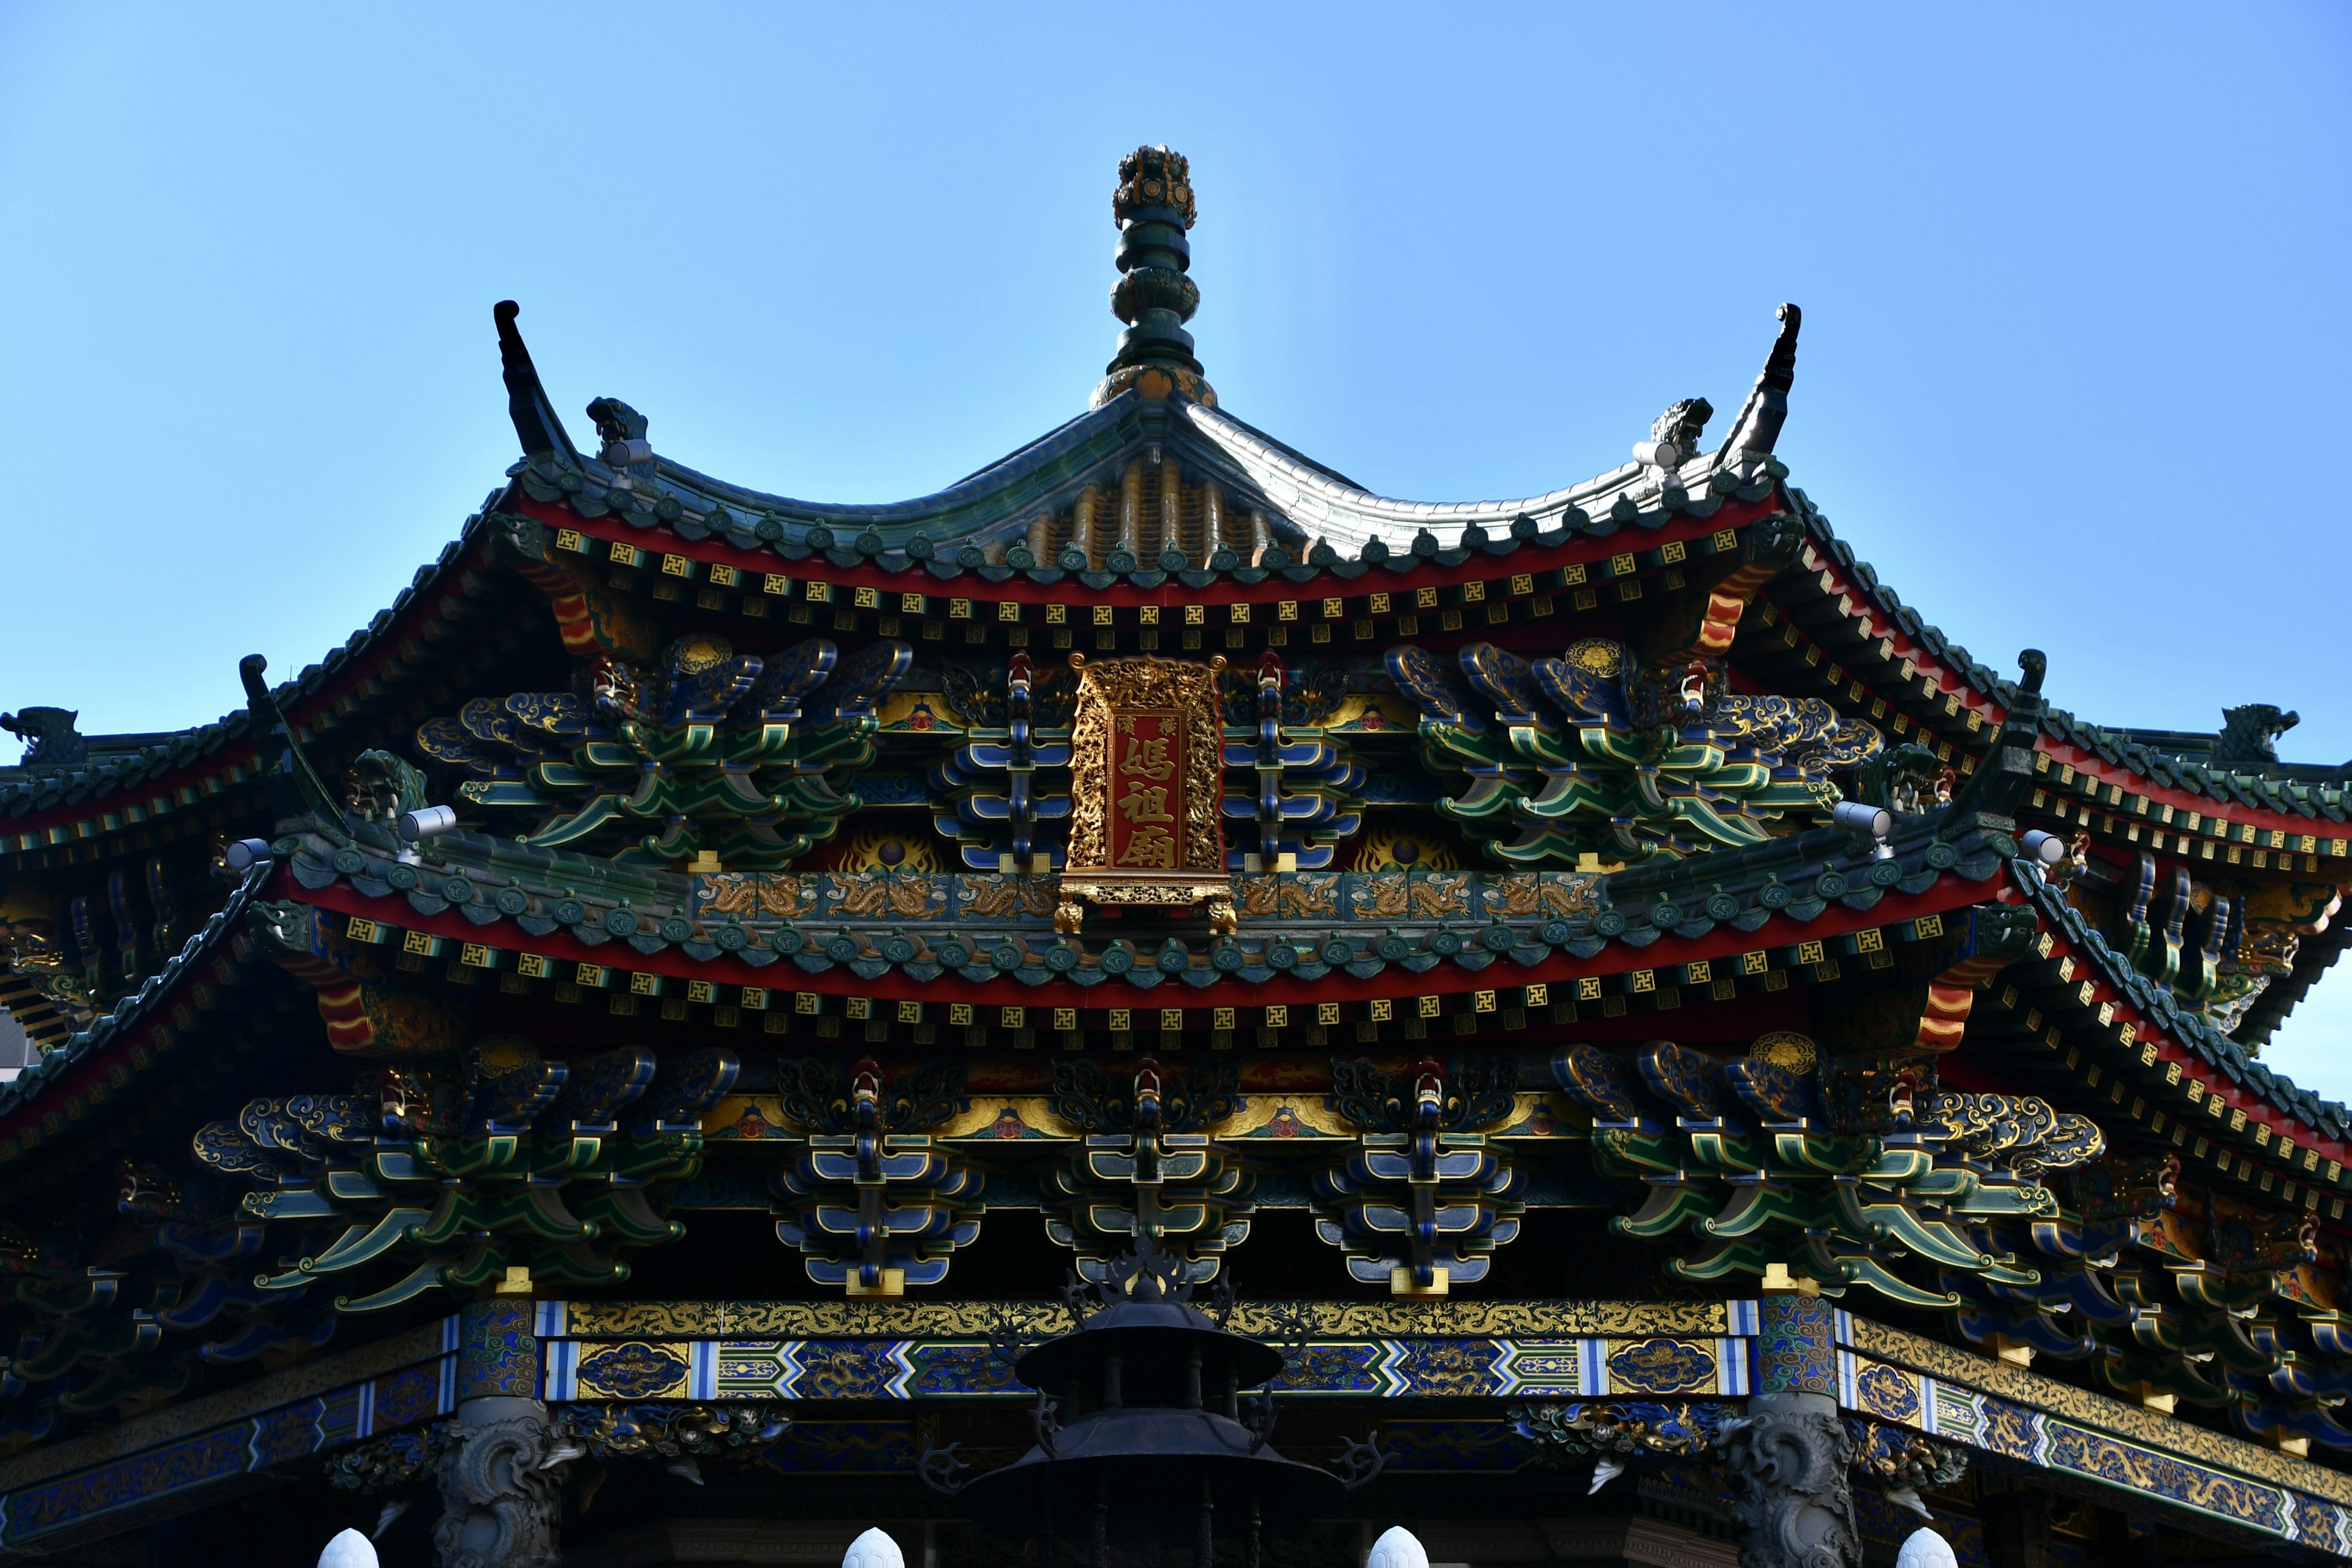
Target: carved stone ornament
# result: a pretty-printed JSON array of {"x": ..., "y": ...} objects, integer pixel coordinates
[
  {"x": 501, "y": 1501},
  {"x": 1146, "y": 748},
  {"x": 1787, "y": 1464}
]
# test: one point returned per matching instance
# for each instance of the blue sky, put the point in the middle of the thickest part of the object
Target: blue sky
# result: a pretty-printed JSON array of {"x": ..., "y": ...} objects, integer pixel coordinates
[{"x": 2074, "y": 284}]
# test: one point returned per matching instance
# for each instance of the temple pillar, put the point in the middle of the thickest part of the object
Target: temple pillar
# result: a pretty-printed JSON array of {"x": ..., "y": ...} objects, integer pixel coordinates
[
  {"x": 501, "y": 1504},
  {"x": 1787, "y": 1460}
]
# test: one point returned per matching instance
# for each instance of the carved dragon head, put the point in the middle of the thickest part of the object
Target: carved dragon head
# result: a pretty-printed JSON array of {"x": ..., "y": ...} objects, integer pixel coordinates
[
  {"x": 49, "y": 735},
  {"x": 381, "y": 786},
  {"x": 1904, "y": 779},
  {"x": 2250, "y": 732},
  {"x": 1683, "y": 423}
]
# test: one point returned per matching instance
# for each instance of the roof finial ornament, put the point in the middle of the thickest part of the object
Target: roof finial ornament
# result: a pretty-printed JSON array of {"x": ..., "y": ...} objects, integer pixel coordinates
[
  {"x": 1767, "y": 408},
  {"x": 536, "y": 426},
  {"x": 1153, "y": 207}
]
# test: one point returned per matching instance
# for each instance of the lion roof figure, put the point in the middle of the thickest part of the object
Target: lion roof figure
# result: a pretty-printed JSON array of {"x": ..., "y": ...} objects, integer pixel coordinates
[
  {"x": 51, "y": 739},
  {"x": 2248, "y": 733}
]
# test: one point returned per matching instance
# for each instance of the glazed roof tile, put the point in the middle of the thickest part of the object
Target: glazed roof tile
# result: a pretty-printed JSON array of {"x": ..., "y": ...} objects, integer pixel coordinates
[
  {"x": 2217, "y": 1050},
  {"x": 42, "y": 789},
  {"x": 1306, "y": 503},
  {"x": 140, "y": 1007},
  {"x": 1323, "y": 504},
  {"x": 2270, "y": 788},
  {"x": 524, "y": 897}
]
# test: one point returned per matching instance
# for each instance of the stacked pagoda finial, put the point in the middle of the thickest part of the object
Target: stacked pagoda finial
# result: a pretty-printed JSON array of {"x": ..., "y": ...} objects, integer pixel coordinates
[{"x": 1153, "y": 206}]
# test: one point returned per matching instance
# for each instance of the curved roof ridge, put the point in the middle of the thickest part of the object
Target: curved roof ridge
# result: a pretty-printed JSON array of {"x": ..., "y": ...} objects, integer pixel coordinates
[
  {"x": 1283, "y": 447},
  {"x": 994, "y": 482},
  {"x": 181, "y": 748},
  {"x": 1316, "y": 498},
  {"x": 2286, "y": 793}
]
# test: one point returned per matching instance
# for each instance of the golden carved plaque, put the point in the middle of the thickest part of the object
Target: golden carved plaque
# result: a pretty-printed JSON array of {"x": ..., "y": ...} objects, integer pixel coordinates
[{"x": 1147, "y": 784}]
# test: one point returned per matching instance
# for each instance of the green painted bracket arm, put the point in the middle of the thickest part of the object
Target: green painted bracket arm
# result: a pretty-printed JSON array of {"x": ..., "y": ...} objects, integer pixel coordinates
[
  {"x": 2227, "y": 1343},
  {"x": 75, "y": 1344},
  {"x": 1757, "y": 1205},
  {"x": 561, "y": 1159},
  {"x": 1728, "y": 1258},
  {"x": 1869, "y": 1273},
  {"x": 90, "y": 1291},
  {"x": 605, "y": 808},
  {"x": 627, "y": 1217},
  {"x": 533, "y": 1211},
  {"x": 429, "y": 1276},
  {"x": 677, "y": 1157},
  {"x": 1812, "y": 1153},
  {"x": 1910, "y": 1168},
  {"x": 2224, "y": 1292},
  {"x": 1932, "y": 1239},
  {"x": 1722, "y": 1151},
  {"x": 1734, "y": 831},
  {"x": 299, "y": 1204},
  {"x": 2165, "y": 1373},
  {"x": 499, "y": 1156},
  {"x": 353, "y": 1187},
  {"x": 1667, "y": 1210},
  {"x": 1485, "y": 797},
  {"x": 1620, "y": 1152},
  {"x": 365, "y": 1244}
]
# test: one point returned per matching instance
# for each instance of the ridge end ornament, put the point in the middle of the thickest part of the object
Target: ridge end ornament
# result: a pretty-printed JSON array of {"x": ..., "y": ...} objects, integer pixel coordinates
[{"x": 1147, "y": 782}]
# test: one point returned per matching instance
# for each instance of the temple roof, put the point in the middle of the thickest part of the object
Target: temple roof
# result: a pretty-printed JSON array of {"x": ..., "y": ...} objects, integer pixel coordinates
[
  {"x": 218, "y": 952},
  {"x": 1825, "y": 623},
  {"x": 1307, "y": 502}
]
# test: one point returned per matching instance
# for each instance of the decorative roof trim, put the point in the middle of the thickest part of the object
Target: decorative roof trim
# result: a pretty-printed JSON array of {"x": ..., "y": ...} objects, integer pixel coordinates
[
  {"x": 2142, "y": 1009},
  {"x": 1045, "y": 464},
  {"x": 1319, "y": 502},
  {"x": 211, "y": 758},
  {"x": 1425, "y": 566},
  {"x": 1894, "y": 632},
  {"x": 629, "y": 478},
  {"x": 497, "y": 899},
  {"x": 89, "y": 1057}
]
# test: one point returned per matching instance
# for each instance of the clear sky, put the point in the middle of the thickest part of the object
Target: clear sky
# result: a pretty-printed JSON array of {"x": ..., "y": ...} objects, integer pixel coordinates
[{"x": 2074, "y": 281}]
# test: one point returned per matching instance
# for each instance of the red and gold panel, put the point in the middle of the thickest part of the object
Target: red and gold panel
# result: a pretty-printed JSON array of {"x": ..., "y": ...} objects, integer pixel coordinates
[{"x": 1146, "y": 784}]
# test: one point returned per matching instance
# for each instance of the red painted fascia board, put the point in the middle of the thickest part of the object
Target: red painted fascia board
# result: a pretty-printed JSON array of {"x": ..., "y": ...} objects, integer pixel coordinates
[
  {"x": 1876, "y": 623},
  {"x": 224, "y": 968},
  {"x": 1480, "y": 567},
  {"x": 2206, "y": 805},
  {"x": 1951, "y": 892},
  {"x": 2194, "y": 1066},
  {"x": 1880, "y": 624},
  {"x": 382, "y": 649},
  {"x": 386, "y": 645},
  {"x": 233, "y": 753}
]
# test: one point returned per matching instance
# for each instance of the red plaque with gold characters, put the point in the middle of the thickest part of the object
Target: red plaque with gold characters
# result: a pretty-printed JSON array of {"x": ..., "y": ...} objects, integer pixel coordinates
[{"x": 1146, "y": 784}]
